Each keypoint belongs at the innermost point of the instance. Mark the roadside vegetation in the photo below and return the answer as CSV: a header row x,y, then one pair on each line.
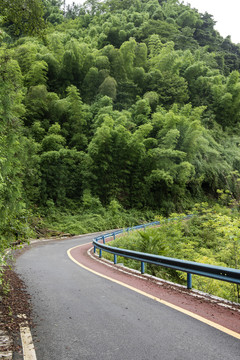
x,y
99,218
210,236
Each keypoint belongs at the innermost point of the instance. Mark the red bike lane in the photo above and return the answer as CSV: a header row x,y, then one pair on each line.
x,y
222,315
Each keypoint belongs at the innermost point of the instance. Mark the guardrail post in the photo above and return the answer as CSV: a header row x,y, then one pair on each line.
x,y
189,280
114,236
144,227
115,259
103,239
100,253
94,249
142,267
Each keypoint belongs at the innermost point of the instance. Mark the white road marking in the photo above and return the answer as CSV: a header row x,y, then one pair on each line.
x,y
27,341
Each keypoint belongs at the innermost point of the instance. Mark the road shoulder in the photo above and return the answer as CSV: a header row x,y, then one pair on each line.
x,y
215,311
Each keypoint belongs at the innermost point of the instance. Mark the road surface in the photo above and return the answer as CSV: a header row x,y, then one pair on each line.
x,y
82,316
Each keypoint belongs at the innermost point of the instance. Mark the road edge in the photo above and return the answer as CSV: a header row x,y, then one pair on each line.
x,y
166,303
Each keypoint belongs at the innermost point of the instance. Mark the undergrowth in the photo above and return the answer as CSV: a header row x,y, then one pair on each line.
x,y
211,236
88,218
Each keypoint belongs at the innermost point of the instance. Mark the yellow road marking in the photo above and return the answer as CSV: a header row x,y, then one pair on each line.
x,y
175,307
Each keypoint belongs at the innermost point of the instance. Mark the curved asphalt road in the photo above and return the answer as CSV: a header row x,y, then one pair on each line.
x,y
81,316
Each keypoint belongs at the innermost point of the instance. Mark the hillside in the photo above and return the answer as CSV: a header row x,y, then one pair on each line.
x,y
114,105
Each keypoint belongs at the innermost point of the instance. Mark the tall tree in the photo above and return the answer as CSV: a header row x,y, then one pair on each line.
x,y
11,144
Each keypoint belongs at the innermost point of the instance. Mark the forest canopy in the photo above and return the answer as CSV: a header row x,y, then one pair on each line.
x,y
134,103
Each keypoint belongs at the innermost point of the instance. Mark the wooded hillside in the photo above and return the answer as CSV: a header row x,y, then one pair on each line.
x,y
136,102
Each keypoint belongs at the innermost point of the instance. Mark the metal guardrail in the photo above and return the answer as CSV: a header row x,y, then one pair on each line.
x,y
190,267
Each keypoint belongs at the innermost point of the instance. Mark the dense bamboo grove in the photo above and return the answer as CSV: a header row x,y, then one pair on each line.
x,y
113,106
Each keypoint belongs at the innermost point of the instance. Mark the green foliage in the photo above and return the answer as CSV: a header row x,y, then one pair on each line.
x,y
23,17
108,87
53,12
12,166
226,100
211,236
90,216
37,74
60,173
